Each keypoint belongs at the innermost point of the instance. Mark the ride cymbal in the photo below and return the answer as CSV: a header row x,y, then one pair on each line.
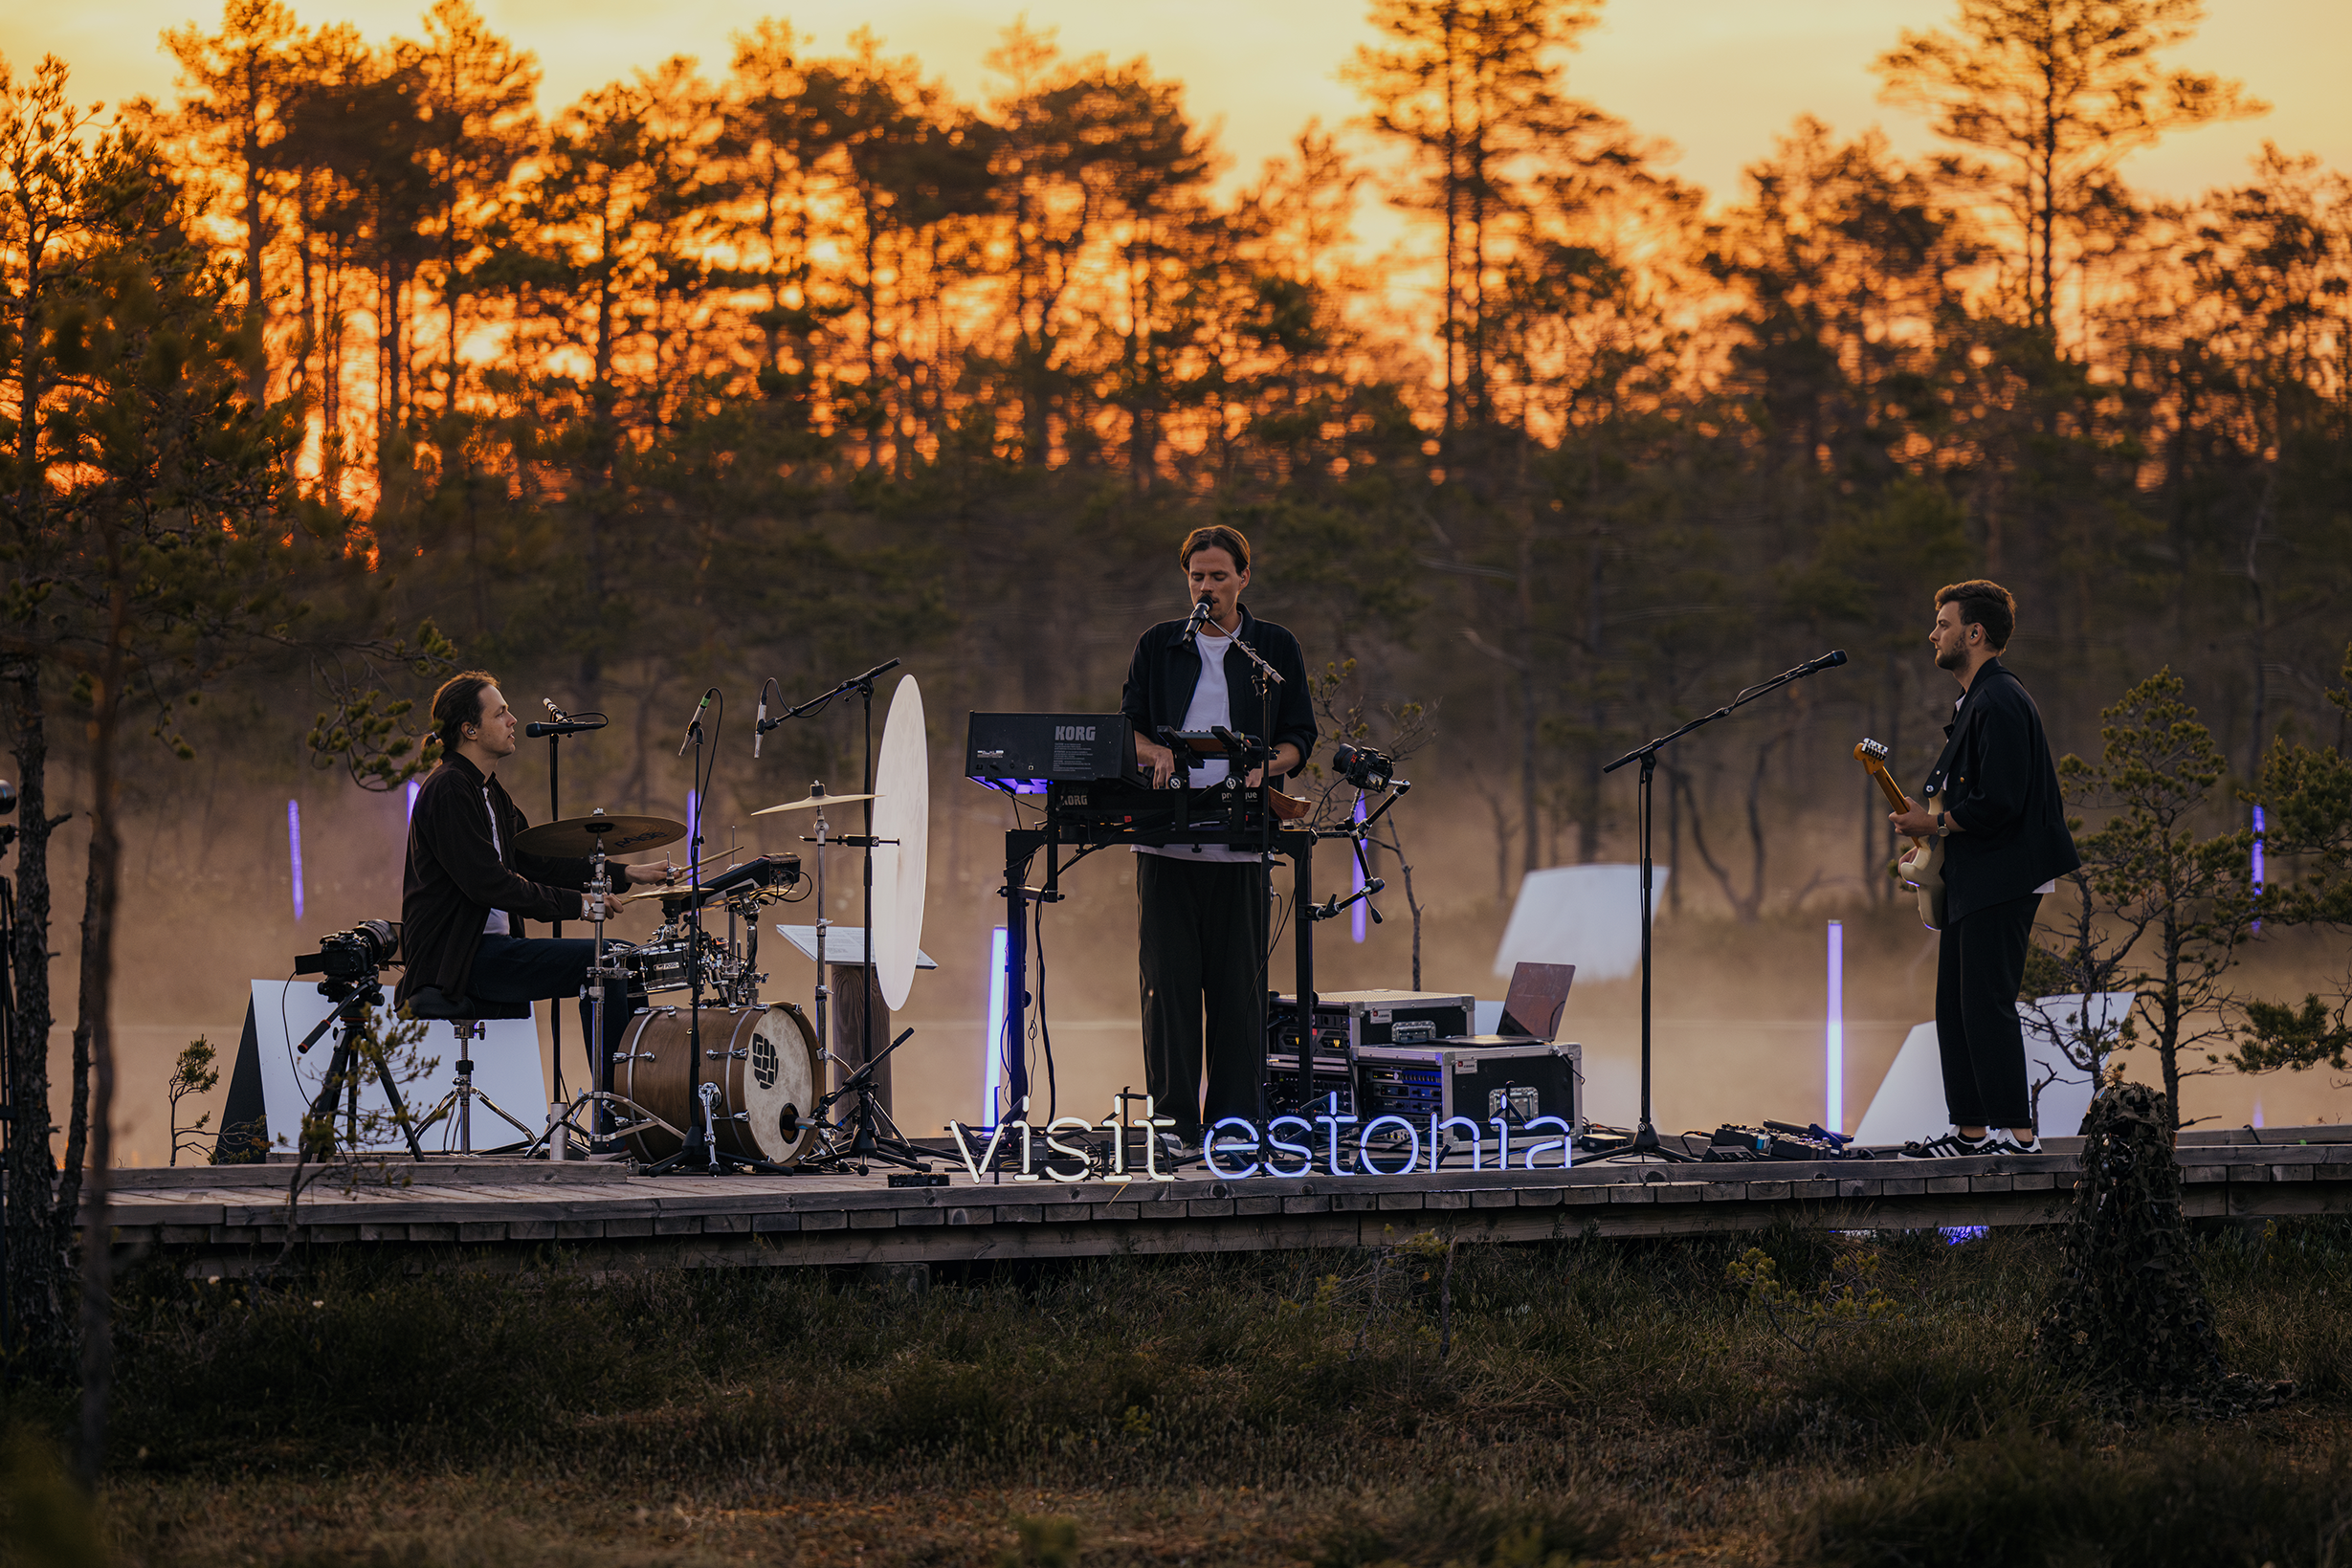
x,y
577,836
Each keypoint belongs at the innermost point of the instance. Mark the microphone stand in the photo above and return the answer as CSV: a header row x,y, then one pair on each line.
x,y
867,1143
1645,1144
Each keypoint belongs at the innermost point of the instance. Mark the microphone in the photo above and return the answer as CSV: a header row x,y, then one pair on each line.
x,y
1200,614
696,722
1831,660
564,722
758,725
878,670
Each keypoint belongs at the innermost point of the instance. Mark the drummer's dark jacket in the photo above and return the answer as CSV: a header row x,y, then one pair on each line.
x,y
1997,781
457,875
1167,667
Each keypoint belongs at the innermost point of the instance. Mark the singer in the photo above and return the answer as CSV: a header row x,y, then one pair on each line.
x,y
1994,798
466,889
1202,908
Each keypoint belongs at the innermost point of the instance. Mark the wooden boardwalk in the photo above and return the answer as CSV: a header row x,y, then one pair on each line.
x,y
490,1213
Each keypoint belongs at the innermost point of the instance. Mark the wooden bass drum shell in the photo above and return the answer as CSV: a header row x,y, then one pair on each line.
x,y
767,1068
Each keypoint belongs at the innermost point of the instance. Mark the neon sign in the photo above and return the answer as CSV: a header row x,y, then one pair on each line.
x,y
1235,1149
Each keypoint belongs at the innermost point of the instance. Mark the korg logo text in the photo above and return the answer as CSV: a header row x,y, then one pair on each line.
x,y
1074,732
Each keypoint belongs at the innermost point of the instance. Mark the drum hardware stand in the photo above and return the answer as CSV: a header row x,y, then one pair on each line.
x,y
355,1047
1644,1144
873,1135
700,1149
863,685
560,725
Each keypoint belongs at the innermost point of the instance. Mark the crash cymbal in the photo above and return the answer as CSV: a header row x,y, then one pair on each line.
x,y
813,801
577,836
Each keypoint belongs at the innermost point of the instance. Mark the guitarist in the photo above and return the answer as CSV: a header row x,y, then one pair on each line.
x,y
1993,799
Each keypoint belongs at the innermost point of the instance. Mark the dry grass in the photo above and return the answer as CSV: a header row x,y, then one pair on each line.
x,y
1600,1402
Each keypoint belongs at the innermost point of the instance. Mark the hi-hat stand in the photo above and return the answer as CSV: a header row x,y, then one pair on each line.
x,y
1644,1144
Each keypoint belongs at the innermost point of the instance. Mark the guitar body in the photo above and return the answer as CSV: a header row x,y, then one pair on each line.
x,y
1921,866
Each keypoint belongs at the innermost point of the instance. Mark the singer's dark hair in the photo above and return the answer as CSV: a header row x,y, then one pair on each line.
x,y
1984,604
1216,537
459,703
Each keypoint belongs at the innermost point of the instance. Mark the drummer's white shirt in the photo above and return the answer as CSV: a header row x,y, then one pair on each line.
x,y
1213,704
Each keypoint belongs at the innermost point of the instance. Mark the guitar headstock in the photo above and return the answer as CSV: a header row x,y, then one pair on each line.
x,y
1870,750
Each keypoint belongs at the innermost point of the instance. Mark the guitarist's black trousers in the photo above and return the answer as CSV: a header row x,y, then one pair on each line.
x,y
1979,963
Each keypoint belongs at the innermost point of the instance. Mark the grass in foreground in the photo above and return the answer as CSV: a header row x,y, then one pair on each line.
x,y
1594,1401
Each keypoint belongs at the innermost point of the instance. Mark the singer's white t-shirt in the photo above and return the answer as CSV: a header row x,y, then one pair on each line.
x,y
1211,705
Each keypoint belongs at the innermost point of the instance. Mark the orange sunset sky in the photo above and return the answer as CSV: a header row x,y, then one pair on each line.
x,y
1718,79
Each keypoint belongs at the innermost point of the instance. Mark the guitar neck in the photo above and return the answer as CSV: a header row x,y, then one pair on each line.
x,y
1894,791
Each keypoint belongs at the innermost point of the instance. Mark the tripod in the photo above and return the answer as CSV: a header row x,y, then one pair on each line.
x,y
354,1047
1644,1143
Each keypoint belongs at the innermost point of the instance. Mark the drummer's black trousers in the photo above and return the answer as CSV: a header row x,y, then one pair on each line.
x,y
513,969
1201,940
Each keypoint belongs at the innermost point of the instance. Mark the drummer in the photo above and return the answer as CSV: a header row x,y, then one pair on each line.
x,y
467,890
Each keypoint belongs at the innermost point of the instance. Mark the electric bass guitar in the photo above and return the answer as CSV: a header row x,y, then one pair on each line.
x,y
1921,866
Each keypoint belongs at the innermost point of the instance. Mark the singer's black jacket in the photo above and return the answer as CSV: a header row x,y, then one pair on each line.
x,y
455,877
1166,669
1996,779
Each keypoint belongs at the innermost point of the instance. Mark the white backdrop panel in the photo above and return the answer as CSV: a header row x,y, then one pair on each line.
x,y
505,1066
1588,915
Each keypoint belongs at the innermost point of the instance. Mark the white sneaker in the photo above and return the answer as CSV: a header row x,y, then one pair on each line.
x,y
2002,1140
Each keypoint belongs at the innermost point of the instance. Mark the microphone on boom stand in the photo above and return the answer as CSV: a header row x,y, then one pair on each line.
x,y
562,723
1200,614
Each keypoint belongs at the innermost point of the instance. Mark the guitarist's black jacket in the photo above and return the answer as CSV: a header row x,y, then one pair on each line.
x,y
1996,779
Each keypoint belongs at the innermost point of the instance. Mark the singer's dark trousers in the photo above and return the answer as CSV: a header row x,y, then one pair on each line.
x,y
1202,945
1979,963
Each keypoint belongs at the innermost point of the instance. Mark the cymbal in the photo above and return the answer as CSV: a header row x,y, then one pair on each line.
x,y
577,836
812,802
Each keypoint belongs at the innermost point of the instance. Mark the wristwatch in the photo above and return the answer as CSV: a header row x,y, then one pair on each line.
x,y
1942,830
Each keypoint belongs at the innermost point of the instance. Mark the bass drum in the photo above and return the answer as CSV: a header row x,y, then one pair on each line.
x,y
763,1061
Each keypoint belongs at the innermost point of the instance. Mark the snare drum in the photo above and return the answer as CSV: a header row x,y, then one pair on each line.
x,y
663,966
764,1060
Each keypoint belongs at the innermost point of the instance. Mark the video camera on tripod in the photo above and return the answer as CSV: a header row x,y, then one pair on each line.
x,y
352,956
353,962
